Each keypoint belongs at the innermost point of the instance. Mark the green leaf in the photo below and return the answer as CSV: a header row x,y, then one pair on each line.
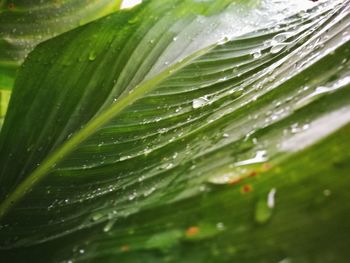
x,y
25,23
186,132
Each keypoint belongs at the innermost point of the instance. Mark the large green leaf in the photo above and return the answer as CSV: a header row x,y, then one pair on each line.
x,y
25,23
169,103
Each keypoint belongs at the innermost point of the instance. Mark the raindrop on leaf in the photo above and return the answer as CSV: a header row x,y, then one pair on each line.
x,y
92,56
257,54
277,48
200,102
109,225
264,207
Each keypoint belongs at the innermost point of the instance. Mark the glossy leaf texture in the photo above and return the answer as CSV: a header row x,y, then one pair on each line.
x,y
186,132
25,23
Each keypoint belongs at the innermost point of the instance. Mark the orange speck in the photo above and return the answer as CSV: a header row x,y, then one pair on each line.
x,y
11,6
246,188
124,248
253,173
191,231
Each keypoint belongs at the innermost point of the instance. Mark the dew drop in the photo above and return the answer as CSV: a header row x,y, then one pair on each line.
x,y
200,102
123,158
327,192
132,196
285,260
261,156
271,198
220,226
109,225
279,38
149,191
129,3
178,109
167,166
141,178
264,207
257,54
277,48
92,56
96,216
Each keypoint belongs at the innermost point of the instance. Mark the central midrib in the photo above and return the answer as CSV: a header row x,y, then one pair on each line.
x,y
56,156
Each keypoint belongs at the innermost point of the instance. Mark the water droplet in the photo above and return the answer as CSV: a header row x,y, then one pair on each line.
x,y
132,196
327,192
133,20
149,191
303,14
277,48
129,3
141,178
279,38
96,216
285,260
200,102
264,208
147,151
167,166
271,198
257,54
260,157
162,130
109,225
220,226
123,158
92,56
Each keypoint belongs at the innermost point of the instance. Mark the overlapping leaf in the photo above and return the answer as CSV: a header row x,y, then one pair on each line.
x,y
201,115
24,24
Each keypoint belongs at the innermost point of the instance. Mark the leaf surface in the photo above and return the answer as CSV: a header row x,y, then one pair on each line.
x,y
143,124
